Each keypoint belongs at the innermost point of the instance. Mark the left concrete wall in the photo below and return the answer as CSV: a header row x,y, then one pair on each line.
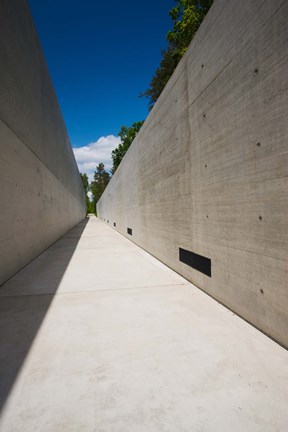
x,y
41,194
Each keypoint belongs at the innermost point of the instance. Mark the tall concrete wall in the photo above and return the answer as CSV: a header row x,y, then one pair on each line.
x,y
208,172
41,195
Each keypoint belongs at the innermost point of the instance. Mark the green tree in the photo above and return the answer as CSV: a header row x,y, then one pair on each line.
x,y
187,16
127,135
169,61
98,185
85,181
86,184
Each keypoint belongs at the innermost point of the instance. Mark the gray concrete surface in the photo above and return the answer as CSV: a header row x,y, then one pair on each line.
x,y
97,335
208,171
41,195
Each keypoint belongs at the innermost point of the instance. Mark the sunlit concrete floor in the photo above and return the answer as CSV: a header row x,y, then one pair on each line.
x,y
97,335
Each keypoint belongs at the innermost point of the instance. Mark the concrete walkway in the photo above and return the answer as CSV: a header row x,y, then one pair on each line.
x,y
98,336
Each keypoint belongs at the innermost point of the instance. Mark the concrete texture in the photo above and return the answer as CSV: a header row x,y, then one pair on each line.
x,y
97,335
41,195
208,172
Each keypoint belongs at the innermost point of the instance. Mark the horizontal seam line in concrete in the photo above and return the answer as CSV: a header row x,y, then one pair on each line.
x,y
37,157
272,179
220,244
100,290
251,252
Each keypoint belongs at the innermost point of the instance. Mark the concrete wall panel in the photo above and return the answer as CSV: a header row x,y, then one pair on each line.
x,y
41,194
208,171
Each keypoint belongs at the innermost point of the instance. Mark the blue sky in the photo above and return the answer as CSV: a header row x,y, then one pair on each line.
x,y
101,55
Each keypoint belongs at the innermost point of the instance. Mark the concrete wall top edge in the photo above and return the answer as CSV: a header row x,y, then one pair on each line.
x,y
28,102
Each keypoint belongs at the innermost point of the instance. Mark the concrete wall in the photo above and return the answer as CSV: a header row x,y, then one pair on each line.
x,y
208,172
41,195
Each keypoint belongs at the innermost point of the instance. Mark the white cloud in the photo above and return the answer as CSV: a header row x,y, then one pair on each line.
x,y
87,157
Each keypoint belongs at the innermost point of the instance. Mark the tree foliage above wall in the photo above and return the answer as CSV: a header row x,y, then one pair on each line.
x,y
127,135
187,16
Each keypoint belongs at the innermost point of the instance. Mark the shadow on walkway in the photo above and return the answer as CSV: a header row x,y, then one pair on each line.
x,y
24,302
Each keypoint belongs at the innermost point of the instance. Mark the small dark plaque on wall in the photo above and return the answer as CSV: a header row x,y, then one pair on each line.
x,y
198,262
129,231
114,224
